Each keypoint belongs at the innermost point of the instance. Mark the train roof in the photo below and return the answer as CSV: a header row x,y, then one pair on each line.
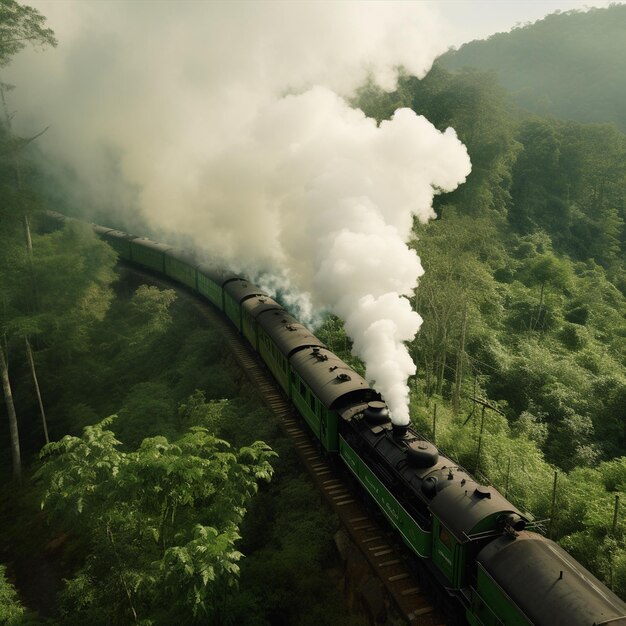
x,y
240,289
148,243
466,507
119,234
287,332
218,275
328,376
100,230
548,585
259,304
184,256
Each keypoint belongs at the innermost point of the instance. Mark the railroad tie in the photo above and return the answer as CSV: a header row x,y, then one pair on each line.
x,y
393,579
383,552
335,489
411,592
423,611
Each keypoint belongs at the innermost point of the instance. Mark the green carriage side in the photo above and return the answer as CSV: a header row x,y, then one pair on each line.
x,y
527,579
236,291
181,266
466,517
251,309
210,281
322,383
280,335
148,254
119,241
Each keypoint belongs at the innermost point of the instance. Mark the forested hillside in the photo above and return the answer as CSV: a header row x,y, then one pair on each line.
x,y
524,307
524,303
570,65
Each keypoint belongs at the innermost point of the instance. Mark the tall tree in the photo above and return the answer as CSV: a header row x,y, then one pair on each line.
x,y
21,25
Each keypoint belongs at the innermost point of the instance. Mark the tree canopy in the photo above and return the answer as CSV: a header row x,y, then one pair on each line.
x,y
21,25
569,65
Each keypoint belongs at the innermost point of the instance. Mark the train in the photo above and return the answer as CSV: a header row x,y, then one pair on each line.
x,y
475,543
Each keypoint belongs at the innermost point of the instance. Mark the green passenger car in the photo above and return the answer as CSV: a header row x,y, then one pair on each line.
x,y
149,254
280,337
236,291
309,407
274,359
181,267
120,242
322,384
210,283
251,309
491,606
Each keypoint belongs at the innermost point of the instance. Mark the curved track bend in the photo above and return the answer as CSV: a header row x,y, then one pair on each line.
x,y
387,557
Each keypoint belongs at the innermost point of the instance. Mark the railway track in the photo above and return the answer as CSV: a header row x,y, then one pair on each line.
x,y
388,559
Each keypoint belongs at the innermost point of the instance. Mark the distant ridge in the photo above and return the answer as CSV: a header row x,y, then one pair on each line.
x,y
570,65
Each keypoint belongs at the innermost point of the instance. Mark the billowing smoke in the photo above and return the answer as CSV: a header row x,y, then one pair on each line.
x,y
226,120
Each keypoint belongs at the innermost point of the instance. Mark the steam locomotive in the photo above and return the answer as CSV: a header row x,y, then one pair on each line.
x,y
468,535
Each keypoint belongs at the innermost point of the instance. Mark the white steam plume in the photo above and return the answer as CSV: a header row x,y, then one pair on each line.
x,y
225,118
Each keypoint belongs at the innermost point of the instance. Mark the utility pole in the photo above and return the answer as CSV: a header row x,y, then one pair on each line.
x,y
485,405
456,398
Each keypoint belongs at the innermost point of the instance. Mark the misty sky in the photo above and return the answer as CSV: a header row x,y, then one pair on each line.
x,y
477,19
466,19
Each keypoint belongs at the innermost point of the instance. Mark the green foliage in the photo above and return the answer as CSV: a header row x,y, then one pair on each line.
x,y
19,25
523,296
42,300
569,180
11,610
568,65
162,521
150,308
147,412
198,412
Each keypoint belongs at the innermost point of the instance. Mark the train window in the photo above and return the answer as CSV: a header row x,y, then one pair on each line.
x,y
312,402
302,390
446,537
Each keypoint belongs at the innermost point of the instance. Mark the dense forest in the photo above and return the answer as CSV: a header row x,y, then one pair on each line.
x,y
569,65
524,307
524,295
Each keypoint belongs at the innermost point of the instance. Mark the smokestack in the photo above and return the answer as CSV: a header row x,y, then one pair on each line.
x,y
400,431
